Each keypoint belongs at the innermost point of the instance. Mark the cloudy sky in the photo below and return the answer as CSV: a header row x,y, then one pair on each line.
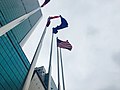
x,y
94,32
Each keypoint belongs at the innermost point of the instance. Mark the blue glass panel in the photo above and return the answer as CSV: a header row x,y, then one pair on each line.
x,y
30,5
35,17
12,54
15,61
5,79
12,79
2,22
12,65
4,83
15,10
19,50
21,30
1,87
1,58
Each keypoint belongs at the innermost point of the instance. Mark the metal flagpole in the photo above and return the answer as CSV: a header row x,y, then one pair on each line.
x,y
58,67
50,67
62,69
34,60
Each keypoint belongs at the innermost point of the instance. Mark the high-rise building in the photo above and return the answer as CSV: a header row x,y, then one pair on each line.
x,y
40,80
41,71
37,83
18,19
52,85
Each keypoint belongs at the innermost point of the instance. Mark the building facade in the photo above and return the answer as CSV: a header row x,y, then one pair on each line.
x,y
18,23
37,83
40,80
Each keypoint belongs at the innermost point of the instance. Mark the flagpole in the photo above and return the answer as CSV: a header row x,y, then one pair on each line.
x,y
34,60
50,67
58,67
62,69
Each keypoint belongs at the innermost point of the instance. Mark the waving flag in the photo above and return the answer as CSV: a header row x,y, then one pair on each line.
x,y
46,1
63,24
64,44
51,17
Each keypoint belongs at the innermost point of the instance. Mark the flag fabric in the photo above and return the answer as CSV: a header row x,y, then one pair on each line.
x,y
64,44
48,22
45,2
63,24
51,17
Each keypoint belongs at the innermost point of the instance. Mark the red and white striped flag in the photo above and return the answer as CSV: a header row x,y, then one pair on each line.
x,y
64,44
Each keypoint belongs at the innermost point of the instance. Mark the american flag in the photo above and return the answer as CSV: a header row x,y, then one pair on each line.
x,y
64,44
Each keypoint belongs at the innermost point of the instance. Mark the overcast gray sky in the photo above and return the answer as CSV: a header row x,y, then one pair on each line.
x,y
94,32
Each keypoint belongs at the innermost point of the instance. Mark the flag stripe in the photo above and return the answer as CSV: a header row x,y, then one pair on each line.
x,y
53,17
64,44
